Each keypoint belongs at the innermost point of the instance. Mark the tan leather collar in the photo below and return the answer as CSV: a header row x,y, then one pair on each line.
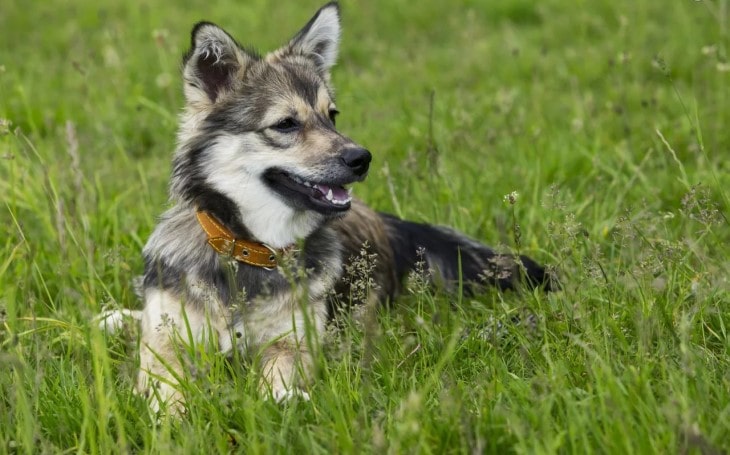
x,y
223,241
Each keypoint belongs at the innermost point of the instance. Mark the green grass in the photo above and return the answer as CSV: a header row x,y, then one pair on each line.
x,y
609,118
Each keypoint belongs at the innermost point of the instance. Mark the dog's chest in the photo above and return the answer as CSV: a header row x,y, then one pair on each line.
x,y
266,304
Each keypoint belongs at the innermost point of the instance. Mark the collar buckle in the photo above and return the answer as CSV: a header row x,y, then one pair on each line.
x,y
272,257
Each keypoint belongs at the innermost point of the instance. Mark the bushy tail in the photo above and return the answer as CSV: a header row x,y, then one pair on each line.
x,y
442,248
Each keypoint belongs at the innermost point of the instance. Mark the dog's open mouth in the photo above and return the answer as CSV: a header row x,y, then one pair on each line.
x,y
322,197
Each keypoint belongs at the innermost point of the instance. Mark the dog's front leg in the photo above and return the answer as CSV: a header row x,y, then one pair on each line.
x,y
168,325
286,361
286,365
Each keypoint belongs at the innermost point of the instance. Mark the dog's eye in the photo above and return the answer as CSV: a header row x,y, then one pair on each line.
x,y
333,115
287,125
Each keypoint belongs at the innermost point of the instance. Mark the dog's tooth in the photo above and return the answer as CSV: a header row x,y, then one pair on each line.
x,y
329,195
342,201
349,193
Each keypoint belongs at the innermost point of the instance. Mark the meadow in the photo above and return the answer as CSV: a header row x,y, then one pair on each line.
x,y
607,120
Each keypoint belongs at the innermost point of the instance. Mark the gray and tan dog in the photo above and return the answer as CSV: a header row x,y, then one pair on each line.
x,y
260,187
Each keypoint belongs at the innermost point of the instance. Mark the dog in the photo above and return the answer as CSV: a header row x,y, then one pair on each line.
x,y
253,251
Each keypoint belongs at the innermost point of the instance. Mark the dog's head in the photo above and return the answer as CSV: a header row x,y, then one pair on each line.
x,y
258,135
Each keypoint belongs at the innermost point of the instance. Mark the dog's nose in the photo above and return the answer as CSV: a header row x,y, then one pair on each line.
x,y
357,159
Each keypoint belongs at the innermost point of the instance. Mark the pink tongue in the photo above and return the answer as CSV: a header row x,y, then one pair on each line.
x,y
338,192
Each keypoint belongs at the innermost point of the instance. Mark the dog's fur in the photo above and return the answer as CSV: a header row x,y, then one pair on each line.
x,y
254,128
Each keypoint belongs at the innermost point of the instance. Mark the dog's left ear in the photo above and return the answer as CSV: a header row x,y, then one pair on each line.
x,y
319,40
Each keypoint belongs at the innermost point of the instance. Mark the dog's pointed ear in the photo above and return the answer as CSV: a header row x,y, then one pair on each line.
x,y
319,40
213,65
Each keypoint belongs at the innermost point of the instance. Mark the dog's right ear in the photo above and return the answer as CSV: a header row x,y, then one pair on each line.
x,y
214,64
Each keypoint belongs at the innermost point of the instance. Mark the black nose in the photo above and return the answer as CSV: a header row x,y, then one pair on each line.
x,y
357,159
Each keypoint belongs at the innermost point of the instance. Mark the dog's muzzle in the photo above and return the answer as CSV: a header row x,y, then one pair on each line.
x,y
358,160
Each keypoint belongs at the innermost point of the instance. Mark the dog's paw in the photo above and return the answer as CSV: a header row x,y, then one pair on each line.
x,y
163,399
173,406
113,320
285,395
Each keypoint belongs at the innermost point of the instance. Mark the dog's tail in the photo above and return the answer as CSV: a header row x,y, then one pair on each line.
x,y
451,255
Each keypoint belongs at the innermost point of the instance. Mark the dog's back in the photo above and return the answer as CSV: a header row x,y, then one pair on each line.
x,y
394,247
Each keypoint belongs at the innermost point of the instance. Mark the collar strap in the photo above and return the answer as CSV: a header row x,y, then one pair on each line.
x,y
223,241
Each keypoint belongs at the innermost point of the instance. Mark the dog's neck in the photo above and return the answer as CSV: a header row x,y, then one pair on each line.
x,y
282,228
279,229
226,213
224,242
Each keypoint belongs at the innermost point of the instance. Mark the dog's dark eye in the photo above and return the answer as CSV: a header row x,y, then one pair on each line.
x,y
333,115
287,125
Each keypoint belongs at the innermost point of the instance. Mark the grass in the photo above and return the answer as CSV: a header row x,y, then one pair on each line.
x,y
608,118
